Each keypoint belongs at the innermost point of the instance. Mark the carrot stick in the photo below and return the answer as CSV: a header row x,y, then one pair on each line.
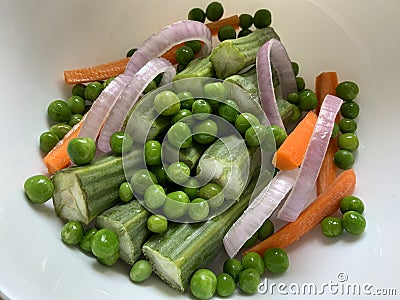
x,y
291,153
114,68
58,157
325,83
324,205
232,21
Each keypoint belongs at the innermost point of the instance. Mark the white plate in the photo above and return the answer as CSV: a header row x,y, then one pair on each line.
x,y
39,39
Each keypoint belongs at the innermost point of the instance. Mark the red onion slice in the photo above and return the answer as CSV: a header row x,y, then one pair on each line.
x,y
166,38
97,114
312,161
130,95
258,211
273,52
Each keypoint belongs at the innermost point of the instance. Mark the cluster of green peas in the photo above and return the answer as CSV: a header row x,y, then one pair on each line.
x,y
244,274
352,220
104,245
65,114
345,131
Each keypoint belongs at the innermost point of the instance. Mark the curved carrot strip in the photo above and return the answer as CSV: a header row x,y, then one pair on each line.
x,y
324,205
232,21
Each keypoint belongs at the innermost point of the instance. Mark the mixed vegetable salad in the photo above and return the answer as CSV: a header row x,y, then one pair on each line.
x,y
182,147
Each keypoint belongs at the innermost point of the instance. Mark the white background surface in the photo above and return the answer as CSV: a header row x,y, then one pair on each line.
x,y
39,39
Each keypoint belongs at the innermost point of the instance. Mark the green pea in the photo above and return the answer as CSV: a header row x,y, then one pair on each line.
x,y
226,32
226,285
266,230
197,14
233,267
296,68
75,119
187,99
93,90
229,110
160,173
348,141
245,121
244,32
351,203
191,188
307,100
47,141
105,243
255,261
280,134
195,45
81,150
181,115
72,233
249,279
150,87
213,193
60,129
79,90
198,209
178,172
331,227
108,81
350,110
262,18
140,271
109,261
130,52
256,135
214,11
184,55
59,111
125,192
179,135
301,84
353,222
203,284
158,79
215,92
154,196
245,21
347,90
335,131
293,98
167,103
141,180
276,260
201,108
121,142
152,152
86,241
157,223
38,188
347,125
343,159
176,205
205,131
251,241
76,104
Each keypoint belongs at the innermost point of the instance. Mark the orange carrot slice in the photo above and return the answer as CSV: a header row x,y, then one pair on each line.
x,y
291,153
114,68
324,205
232,21
58,157
325,83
